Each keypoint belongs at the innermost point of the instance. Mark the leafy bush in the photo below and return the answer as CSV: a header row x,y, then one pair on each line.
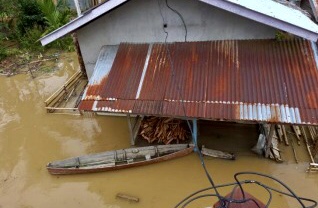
x,y
26,21
3,52
55,15
30,16
7,9
7,12
30,39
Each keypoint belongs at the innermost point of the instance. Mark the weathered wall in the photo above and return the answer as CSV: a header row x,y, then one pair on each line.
x,y
141,21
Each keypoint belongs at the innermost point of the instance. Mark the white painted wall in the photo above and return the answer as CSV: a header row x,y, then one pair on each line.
x,y
140,21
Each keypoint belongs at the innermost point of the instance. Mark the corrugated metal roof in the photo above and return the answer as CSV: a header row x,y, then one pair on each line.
x,y
238,80
269,12
102,69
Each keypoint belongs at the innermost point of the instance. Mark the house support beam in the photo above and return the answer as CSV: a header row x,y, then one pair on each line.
x,y
307,144
132,139
134,126
79,55
269,140
195,134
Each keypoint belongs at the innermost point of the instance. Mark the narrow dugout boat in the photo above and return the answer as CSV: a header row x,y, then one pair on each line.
x,y
119,159
236,194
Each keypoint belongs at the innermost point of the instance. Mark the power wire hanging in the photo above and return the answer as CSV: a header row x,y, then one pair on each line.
x,y
180,94
225,202
187,200
180,16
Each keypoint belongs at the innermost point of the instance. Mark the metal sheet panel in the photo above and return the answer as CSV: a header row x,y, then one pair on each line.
x,y
102,68
235,80
124,78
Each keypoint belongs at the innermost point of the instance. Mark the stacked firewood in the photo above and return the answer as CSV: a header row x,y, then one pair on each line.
x,y
163,130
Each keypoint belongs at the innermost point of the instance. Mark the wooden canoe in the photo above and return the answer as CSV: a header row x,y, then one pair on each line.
x,y
118,159
237,195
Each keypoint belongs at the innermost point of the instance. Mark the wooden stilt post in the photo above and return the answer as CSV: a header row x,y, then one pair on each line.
x,y
280,133
195,133
307,144
132,139
285,135
316,151
79,55
269,140
296,130
311,133
136,126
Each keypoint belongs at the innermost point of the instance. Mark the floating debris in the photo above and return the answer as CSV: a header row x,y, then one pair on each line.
x,y
127,197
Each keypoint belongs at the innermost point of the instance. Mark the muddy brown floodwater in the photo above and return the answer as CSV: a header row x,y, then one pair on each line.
x,y
30,138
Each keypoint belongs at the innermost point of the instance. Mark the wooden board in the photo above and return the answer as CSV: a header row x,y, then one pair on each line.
x,y
217,154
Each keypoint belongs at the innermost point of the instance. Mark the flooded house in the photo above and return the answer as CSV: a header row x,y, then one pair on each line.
x,y
232,64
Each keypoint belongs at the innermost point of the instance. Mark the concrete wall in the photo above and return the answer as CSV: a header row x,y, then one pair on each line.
x,y
141,21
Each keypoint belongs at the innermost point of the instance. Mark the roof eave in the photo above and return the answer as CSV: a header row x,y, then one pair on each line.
x,y
80,21
262,18
225,5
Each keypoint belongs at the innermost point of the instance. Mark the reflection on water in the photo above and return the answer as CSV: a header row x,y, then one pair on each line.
x,y
30,138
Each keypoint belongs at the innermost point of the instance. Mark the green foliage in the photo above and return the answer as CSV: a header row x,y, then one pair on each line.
x,y
65,43
7,51
55,15
26,21
7,11
3,52
30,16
30,39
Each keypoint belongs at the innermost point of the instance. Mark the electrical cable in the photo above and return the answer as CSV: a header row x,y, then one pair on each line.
x,y
314,203
181,17
223,201
195,198
180,94
270,177
202,190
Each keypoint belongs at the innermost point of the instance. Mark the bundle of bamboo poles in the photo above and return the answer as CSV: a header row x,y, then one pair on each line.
x,y
307,135
163,130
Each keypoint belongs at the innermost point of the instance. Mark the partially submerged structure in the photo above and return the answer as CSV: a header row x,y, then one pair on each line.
x,y
221,60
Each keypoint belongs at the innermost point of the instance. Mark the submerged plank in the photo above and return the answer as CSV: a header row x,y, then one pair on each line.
x,y
127,197
217,154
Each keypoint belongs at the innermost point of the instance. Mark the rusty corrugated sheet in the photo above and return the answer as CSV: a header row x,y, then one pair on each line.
x,y
234,80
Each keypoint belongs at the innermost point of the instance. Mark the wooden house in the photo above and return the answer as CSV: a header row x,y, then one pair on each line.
x,y
222,60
